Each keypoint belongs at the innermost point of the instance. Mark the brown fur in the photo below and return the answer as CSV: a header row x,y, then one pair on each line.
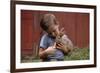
x,y
62,38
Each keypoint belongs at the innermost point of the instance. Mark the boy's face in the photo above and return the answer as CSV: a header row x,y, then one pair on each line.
x,y
53,30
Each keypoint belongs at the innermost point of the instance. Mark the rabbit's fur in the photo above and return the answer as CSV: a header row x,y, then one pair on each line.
x,y
65,41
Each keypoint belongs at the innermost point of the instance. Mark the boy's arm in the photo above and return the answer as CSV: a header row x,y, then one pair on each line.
x,y
44,53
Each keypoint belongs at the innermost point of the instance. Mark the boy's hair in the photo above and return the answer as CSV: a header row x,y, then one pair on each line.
x,y
47,20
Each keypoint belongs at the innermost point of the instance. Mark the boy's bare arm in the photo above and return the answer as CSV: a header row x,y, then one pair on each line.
x,y
42,53
49,51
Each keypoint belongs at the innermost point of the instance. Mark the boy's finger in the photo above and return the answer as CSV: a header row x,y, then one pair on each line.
x,y
60,44
58,47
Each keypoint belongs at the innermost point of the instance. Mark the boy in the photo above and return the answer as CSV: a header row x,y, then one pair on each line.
x,y
51,47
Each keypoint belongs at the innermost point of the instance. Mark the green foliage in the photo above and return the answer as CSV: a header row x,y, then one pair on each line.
x,y
78,54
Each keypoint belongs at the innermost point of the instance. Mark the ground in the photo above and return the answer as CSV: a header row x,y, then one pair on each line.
x,y
77,54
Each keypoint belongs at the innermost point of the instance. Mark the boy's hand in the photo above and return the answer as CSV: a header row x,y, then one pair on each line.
x,y
60,46
50,50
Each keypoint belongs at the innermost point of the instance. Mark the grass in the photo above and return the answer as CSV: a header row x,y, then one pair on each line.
x,y
28,59
77,54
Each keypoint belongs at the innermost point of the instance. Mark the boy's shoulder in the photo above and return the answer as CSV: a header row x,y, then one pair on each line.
x,y
45,36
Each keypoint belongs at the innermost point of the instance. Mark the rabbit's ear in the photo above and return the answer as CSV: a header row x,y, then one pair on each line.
x,y
62,29
62,32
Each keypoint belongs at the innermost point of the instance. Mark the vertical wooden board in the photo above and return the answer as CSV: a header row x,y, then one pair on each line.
x,y
86,30
79,27
35,23
82,30
26,32
70,26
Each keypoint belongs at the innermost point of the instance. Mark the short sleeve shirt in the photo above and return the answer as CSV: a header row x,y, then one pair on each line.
x,y
47,41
